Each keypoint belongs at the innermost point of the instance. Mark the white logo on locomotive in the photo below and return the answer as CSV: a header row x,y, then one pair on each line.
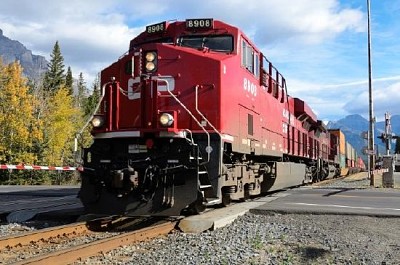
x,y
133,94
249,86
164,83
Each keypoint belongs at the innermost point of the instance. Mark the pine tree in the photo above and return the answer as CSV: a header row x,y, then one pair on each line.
x,y
93,99
82,91
89,104
69,81
54,78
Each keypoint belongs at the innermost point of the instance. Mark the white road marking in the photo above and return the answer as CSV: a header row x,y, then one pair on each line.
x,y
343,206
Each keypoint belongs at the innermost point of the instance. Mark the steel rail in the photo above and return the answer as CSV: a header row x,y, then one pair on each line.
x,y
81,252
42,234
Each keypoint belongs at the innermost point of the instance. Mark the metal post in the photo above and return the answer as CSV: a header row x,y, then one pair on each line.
x,y
371,145
388,133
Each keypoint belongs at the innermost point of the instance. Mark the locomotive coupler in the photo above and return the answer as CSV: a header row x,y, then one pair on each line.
x,y
124,180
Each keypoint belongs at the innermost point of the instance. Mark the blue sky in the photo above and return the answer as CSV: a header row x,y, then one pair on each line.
x,y
320,46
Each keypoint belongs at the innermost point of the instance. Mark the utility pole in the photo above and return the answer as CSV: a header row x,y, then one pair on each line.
x,y
371,146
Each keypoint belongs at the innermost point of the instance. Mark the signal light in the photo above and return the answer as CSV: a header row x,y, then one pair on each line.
x,y
150,56
151,61
150,66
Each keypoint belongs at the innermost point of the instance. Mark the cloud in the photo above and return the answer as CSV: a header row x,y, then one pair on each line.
x,y
305,21
385,99
316,45
89,34
334,101
89,31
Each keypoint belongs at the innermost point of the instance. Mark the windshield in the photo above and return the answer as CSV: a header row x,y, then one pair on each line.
x,y
160,40
213,42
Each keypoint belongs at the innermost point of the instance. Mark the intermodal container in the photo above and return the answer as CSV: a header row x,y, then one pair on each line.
x,y
342,161
360,163
342,140
350,153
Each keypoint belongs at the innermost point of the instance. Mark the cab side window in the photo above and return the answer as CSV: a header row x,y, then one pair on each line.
x,y
250,58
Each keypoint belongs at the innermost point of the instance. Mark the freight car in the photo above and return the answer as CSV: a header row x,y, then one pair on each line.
x,y
348,159
193,115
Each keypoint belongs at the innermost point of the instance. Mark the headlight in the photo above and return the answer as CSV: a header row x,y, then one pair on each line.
x,y
150,66
97,121
151,61
150,56
166,119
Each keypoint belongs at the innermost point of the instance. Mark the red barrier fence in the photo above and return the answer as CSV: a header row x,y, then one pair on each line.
x,y
379,171
33,167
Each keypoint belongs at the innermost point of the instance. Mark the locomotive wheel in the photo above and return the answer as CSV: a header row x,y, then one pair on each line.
x,y
226,199
246,193
198,206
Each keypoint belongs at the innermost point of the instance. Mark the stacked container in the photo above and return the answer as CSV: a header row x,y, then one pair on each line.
x,y
342,147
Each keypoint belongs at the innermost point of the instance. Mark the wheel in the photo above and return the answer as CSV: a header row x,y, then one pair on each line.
x,y
226,199
198,206
246,193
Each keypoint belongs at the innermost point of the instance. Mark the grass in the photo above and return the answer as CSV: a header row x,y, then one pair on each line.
x,y
257,243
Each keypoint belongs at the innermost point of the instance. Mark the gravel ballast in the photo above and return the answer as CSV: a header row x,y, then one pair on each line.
x,y
268,239
275,239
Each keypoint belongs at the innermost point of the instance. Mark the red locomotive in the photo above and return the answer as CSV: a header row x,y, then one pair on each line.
x,y
194,115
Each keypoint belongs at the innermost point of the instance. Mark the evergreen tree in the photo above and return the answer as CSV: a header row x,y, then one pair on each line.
x,y
54,78
69,81
82,91
93,99
89,104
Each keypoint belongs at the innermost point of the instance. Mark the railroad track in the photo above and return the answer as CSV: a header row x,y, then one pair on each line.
x,y
44,246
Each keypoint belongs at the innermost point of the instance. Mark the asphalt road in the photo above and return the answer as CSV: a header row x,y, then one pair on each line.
x,y
21,203
39,190
368,202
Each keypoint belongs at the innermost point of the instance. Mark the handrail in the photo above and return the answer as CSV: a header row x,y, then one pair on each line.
x,y
279,78
79,134
191,114
96,108
281,84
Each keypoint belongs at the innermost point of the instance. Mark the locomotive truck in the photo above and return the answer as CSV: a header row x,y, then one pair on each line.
x,y
193,115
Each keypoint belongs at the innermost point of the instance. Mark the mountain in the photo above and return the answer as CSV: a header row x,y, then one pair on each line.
x,y
11,50
353,126
395,121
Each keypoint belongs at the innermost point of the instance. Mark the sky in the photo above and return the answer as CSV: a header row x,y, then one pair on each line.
x,y
320,46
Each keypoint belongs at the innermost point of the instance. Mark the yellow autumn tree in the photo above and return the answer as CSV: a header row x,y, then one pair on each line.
x,y
18,127
61,122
